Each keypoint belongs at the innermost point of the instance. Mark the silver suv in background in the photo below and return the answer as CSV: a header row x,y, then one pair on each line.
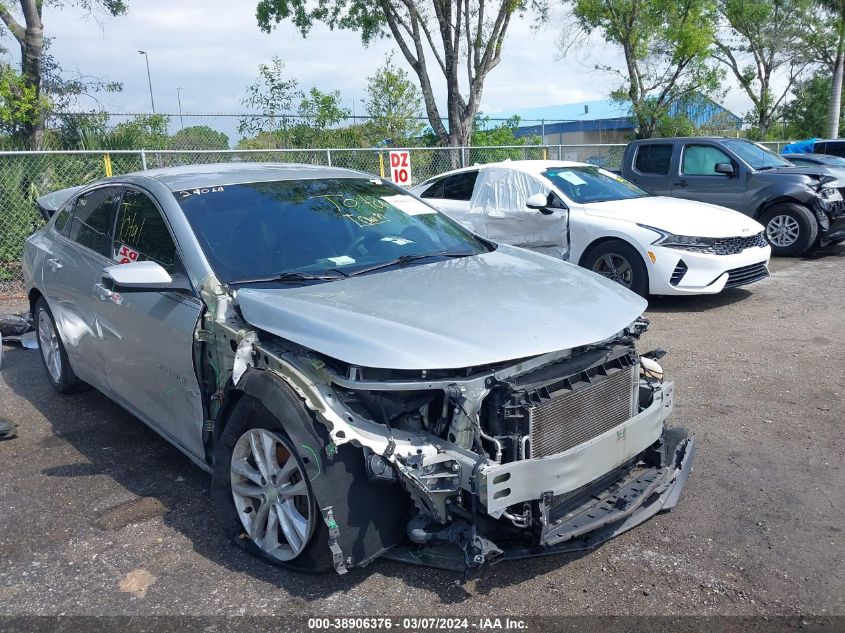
x,y
360,375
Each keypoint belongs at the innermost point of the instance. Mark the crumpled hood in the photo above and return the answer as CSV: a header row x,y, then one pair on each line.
x,y
495,307
678,216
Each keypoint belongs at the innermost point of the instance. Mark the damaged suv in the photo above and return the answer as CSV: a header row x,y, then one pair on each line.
x,y
361,375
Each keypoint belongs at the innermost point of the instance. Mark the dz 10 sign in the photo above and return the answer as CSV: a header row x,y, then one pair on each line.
x,y
400,167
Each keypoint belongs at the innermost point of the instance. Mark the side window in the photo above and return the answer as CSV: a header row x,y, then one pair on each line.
x,y
435,190
141,233
459,186
90,224
653,158
61,218
701,160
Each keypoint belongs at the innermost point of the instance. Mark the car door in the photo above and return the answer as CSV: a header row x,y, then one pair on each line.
x,y
148,345
651,167
500,197
451,195
80,249
697,178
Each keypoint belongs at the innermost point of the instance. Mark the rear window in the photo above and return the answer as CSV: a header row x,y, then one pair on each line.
x,y
653,158
90,225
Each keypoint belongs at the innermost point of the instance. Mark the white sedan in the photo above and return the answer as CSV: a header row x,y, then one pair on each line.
x,y
590,216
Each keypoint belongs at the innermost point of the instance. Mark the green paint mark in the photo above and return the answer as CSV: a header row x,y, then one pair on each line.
x,y
316,461
332,524
331,449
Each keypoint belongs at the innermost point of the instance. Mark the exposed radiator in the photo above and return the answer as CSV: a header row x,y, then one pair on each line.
x,y
590,408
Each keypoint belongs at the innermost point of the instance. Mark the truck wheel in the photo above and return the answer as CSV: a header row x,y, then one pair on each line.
x,y
262,495
53,354
619,261
791,229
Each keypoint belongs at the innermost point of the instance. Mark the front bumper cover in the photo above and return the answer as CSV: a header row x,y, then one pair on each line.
x,y
633,498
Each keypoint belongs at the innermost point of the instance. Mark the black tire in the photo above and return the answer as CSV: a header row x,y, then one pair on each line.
x,y
60,375
782,221
315,557
634,275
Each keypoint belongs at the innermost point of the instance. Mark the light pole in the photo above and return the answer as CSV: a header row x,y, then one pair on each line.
x,y
149,81
179,99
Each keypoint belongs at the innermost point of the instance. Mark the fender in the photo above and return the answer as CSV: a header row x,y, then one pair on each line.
x,y
370,516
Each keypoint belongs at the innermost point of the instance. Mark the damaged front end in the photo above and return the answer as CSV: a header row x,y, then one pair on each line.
x,y
458,468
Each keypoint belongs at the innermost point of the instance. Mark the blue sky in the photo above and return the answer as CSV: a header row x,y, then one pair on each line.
x,y
211,49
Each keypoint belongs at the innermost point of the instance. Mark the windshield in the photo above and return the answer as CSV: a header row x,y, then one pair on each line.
x,y
755,156
318,229
586,183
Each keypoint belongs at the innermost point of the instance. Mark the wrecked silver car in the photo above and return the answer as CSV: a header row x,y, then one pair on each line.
x,y
361,375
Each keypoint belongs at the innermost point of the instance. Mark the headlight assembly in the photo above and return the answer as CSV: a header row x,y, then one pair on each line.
x,y
685,242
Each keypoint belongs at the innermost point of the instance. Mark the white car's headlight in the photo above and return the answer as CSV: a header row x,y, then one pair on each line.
x,y
688,242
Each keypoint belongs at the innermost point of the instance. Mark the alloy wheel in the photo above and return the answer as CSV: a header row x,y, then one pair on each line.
x,y
271,494
615,267
782,230
49,343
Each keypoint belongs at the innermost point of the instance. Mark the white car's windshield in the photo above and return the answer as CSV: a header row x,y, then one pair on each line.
x,y
756,157
585,183
317,230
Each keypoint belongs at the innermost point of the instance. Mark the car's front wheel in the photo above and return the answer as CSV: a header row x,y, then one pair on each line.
x,y
53,354
791,229
263,497
620,262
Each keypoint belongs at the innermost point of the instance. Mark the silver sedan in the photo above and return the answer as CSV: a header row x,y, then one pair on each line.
x,y
361,375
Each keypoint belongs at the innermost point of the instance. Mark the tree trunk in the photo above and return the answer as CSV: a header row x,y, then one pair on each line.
x,y
30,37
835,108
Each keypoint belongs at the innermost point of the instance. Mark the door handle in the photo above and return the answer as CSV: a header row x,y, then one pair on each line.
x,y
54,264
102,292
680,183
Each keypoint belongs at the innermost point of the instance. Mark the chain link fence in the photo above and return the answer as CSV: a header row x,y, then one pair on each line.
x,y
24,176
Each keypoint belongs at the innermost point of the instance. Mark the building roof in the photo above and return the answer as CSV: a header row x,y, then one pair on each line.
x,y
604,115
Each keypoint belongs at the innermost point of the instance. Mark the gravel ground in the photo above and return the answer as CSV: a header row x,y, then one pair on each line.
x,y
100,516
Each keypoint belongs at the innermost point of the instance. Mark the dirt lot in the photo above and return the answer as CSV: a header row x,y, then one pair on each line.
x,y
100,516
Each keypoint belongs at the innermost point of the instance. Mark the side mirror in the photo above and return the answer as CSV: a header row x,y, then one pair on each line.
x,y
724,168
537,201
138,277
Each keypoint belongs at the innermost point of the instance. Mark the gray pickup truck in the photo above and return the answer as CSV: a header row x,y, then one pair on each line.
x,y
801,207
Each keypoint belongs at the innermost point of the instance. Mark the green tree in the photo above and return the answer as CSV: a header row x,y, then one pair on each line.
x,y
23,20
394,104
320,113
92,131
806,115
761,41
198,137
825,40
665,46
462,40
20,106
272,96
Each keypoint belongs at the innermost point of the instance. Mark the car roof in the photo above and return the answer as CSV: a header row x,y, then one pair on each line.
x,y
217,174
673,139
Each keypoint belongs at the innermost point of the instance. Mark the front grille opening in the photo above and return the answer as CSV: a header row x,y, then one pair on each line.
x,y
678,273
590,409
746,275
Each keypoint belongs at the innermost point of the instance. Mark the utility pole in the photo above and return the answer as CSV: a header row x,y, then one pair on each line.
x,y
149,81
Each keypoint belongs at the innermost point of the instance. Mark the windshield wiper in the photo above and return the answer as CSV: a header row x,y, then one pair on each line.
x,y
292,277
403,260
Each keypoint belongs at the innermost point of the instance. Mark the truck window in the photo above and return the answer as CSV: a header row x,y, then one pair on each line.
x,y
653,158
701,160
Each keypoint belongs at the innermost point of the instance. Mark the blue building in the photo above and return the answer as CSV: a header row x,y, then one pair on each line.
x,y
606,121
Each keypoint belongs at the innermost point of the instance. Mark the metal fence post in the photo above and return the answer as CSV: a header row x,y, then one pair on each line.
x,y
143,160
329,157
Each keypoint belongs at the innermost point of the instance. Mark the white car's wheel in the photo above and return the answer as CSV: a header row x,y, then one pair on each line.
x,y
619,262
